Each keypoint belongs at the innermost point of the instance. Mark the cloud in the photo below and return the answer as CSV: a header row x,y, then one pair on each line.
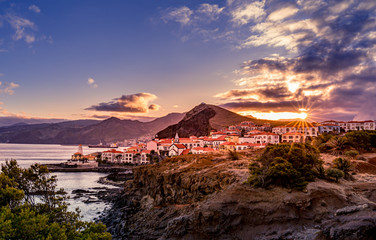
x,y
92,83
181,15
154,107
283,13
8,88
24,28
246,12
331,63
134,103
34,8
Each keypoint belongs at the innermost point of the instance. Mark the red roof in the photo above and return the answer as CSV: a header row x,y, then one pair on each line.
x,y
267,133
180,146
221,138
112,151
77,153
146,151
185,152
228,143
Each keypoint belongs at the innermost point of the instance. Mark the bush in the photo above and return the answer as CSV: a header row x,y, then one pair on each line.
x,y
351,154
342,164
234,155
360,140
334,173
285,165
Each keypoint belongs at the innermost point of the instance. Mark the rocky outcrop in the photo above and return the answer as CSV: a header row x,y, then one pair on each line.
x,y
206,198
201,120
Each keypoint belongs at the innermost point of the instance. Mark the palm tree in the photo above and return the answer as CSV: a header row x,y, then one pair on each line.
x,y
337,145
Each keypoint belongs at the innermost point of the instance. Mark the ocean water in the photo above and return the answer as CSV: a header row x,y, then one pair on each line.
x,y
28,154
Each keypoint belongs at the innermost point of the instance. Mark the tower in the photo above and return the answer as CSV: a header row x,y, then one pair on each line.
x,y
80,149
176,137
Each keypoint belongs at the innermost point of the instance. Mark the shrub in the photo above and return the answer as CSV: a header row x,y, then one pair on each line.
x,y
285,165
351,154
334,173
342,164
360,140
234,155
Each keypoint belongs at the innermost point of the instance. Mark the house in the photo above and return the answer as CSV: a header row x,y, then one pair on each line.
x,y
152,145
241,146
327,128
202,150
266,137
217,134
127,157
359,125
228,146
176,149
293,137
112,155
144,157
232,138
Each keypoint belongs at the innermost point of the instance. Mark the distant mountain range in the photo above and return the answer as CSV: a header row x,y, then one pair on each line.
x,y
85,131
199,121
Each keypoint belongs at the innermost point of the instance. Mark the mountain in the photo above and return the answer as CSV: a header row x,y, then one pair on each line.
x,y
201,120
86,131
11,121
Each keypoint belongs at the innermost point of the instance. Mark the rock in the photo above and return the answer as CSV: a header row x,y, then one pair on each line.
x,y
80,191
196,198
350,209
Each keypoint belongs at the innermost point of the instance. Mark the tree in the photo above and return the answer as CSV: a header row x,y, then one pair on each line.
x,y
337,145
21,217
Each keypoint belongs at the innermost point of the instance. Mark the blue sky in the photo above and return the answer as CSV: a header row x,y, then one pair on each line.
x,y
146,58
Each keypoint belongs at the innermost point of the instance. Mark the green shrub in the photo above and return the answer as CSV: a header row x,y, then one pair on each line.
x,y
285,165
334,173
351,154
342,164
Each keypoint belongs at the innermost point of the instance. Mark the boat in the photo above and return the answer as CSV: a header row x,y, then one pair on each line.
x,y
100,145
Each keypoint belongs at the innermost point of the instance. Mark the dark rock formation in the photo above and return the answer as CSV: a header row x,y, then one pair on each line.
x,y
201,120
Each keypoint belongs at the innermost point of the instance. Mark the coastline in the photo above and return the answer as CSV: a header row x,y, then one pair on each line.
x,y
101,169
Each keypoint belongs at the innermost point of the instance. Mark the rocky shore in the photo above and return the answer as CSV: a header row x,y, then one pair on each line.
x,y
206,197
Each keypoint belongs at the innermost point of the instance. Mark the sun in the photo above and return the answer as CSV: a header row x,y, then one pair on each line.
x,y
301,113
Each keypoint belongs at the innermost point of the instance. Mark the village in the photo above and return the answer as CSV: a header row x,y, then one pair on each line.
x,y
240,137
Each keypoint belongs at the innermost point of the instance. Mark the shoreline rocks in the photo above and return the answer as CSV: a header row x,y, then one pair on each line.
x,y
206,198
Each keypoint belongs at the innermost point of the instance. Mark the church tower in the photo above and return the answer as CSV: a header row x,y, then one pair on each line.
x,y
176,138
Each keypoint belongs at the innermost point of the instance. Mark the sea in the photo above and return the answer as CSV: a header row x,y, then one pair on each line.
x,y
28,154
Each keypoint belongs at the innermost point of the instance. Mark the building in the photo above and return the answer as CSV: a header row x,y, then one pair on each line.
x,y
293,137
176,149
112,155
329,128
266,137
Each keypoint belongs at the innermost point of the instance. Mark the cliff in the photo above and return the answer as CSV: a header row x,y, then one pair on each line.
x,y
205,197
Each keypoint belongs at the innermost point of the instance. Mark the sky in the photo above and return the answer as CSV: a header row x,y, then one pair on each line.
x,y
147,58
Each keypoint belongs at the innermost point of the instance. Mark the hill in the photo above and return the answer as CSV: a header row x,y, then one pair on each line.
x,y
201,120
85,131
